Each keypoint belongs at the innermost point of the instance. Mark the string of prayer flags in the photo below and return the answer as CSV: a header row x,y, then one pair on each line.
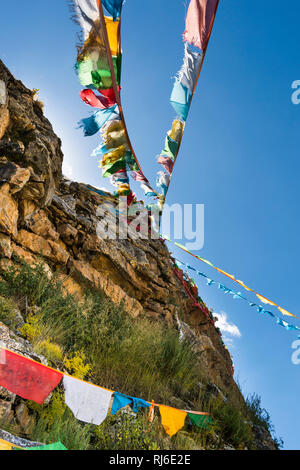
x,y
95,74
238,295
28,379
167,158
199,21
87,402
230,276
98,67
172,420
121,400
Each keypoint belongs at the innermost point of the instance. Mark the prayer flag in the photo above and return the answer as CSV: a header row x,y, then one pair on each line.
x,y
199,20
28,379
172,419
121,400
202,421
88,403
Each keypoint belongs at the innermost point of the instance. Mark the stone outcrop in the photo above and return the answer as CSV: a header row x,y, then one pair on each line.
x,y
30,152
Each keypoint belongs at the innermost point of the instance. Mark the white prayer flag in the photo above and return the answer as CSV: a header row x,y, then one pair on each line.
x,y
88,403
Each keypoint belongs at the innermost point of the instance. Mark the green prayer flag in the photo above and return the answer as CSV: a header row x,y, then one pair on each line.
x,y
97,73
171,147
202,421
112,168
55,446
131,163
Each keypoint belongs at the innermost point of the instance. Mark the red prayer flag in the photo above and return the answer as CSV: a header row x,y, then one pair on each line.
x,y
109,93
89,97
103,101
28,379
199,20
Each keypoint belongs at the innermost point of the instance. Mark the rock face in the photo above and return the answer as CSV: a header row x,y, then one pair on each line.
x,y
45,215
30,152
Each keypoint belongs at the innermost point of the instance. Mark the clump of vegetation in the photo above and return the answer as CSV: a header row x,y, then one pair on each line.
x,y
53,352
127,431
232,425
96,340
76,365
257,414
32,330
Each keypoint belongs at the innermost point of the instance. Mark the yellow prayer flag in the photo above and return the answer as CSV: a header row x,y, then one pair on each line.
x,y
172,420
113,28
5,445
285,312
264,300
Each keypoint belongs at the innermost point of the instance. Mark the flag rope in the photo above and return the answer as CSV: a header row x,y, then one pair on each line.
x,y
259,296
89,383
114,81
193,94
237,295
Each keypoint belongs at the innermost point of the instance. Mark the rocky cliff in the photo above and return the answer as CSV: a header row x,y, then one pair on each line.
x,y
46,217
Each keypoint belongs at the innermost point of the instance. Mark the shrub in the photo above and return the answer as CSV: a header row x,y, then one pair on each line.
x,y
232,425
257,414
52,351
31,330
126,431
76,365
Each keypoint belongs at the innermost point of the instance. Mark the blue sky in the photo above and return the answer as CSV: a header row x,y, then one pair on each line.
x,y
239,156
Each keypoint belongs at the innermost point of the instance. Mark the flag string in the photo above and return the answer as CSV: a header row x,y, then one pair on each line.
x,y
238,295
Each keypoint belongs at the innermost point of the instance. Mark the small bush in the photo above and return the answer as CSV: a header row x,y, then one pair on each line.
x,y
232,425
76,365
126,431
257,414
31,330
52,351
